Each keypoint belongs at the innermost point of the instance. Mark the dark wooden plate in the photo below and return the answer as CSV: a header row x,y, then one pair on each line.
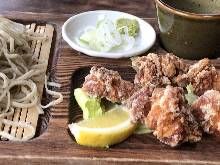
x,y
135,142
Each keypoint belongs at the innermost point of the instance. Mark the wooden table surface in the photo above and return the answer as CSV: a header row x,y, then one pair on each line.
x,y
55,145
141,8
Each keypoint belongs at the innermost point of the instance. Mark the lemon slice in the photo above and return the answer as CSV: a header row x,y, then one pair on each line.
x,y
112,127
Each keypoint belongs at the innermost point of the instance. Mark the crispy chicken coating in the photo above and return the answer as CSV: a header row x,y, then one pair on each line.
x,y
108,84
206,109
139,104
216,82
201,75
170,119
159,70
172,65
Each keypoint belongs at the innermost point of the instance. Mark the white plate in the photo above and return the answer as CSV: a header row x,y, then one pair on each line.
x,y
74,26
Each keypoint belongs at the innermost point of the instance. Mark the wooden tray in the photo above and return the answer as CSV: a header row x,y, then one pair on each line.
x,y
56,146
40,49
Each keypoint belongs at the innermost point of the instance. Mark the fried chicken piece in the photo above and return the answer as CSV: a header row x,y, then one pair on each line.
x,y
206,110
158,70
216,82
149,71
172,122
139,104
201,75
172,65
152,71
108,84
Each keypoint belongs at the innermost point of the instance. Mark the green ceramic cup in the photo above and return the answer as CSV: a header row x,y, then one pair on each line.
x,y
190,28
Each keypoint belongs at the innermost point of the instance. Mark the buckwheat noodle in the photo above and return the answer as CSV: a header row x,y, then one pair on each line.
x,y
20,71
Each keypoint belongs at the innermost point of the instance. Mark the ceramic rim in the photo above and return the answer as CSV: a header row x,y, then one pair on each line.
x,y
187,14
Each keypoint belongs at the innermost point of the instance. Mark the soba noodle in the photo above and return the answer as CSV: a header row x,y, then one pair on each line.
x,y
20,71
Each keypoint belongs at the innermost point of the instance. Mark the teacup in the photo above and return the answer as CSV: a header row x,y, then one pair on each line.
x,y
190,28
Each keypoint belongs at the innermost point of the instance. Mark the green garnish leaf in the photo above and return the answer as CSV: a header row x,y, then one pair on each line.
x,y
190,96
91,106
142,129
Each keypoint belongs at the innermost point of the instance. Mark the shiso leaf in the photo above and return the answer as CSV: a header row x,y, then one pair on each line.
x,y
190,96
142,129
91,106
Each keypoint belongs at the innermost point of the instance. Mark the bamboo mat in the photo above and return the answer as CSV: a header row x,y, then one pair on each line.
x,y
40,49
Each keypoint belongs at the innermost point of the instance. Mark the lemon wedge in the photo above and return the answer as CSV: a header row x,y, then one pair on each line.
x,y
112,127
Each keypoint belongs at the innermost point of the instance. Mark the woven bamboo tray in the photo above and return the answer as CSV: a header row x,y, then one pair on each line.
x,y
40,49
